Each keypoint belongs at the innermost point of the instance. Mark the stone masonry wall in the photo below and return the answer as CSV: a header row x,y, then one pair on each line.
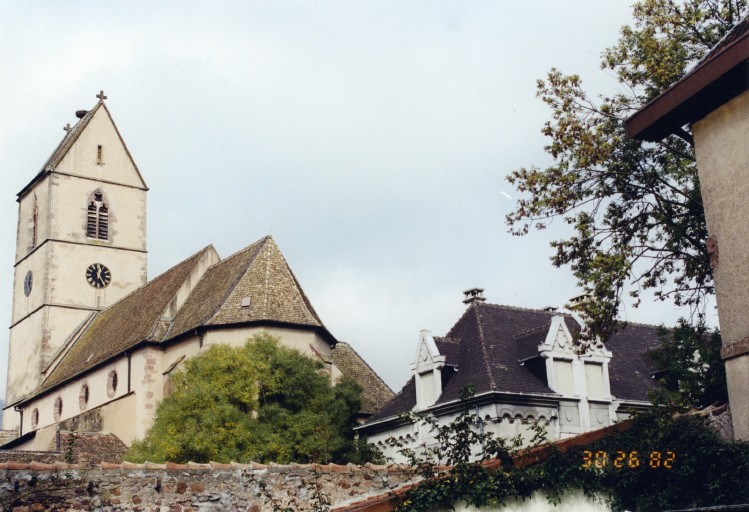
x,y
190,487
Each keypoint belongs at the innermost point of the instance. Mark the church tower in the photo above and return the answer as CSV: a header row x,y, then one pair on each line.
x,y
80,245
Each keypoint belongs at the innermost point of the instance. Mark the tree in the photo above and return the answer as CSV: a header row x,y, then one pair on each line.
x,y
261,402
691,371
635,208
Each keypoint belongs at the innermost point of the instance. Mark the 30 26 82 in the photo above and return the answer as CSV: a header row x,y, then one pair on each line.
x,y
628,459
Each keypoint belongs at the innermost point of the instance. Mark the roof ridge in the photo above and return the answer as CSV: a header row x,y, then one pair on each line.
x,y
484,353
158,277
229,289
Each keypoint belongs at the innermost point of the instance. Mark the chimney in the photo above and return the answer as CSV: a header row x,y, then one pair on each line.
x,y
576,303
473,295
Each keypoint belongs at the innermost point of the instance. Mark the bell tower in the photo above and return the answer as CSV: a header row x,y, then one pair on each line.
x,y
80,245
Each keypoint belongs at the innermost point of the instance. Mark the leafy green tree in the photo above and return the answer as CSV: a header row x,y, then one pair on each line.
x,y
261,402
635,208
691,371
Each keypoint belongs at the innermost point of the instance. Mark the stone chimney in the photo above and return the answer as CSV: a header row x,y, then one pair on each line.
x,y
473,295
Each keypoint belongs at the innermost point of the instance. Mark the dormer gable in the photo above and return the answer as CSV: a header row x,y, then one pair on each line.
x,y
427,369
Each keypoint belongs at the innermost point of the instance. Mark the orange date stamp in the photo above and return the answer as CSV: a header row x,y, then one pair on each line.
x,y
632,459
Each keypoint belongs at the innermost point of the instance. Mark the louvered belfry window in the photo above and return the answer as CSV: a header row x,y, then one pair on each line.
x,y
97,220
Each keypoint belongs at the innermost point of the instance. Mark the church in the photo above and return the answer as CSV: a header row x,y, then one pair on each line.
x,y
93,343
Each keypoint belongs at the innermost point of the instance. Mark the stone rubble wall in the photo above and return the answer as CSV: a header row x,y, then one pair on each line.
x,y
190,487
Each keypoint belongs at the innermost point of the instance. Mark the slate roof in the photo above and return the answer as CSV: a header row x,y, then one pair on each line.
x,y
631,369
258,272
375,393
489,341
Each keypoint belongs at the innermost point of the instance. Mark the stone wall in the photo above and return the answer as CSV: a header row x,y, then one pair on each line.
x,y
190,487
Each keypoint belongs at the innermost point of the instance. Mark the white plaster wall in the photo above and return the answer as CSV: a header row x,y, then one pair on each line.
x,y
722,149
69,286
97,382
35,262
81,160
127,211
25,218
503,421
572,502
302,341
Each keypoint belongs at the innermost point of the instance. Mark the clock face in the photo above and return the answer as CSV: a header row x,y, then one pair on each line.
x,y
27,283
98,275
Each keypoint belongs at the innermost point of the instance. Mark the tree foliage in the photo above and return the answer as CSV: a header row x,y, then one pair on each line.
x,y
260,402
691,372
657,463
635,208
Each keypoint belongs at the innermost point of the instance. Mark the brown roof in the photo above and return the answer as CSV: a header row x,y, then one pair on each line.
x,y
375,393
258,273
720,76
135,318
489,342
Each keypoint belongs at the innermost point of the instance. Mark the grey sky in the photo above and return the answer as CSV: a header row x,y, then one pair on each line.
x,y
371,139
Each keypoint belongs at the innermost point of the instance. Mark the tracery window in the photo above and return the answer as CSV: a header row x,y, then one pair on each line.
x,y
97,220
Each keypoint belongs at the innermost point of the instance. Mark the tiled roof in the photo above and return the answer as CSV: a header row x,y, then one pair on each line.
x,y
402,402
131,320
630,368
489,341
259,274
375,393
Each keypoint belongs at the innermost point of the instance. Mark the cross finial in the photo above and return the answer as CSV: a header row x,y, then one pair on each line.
x,y
67,127
101,96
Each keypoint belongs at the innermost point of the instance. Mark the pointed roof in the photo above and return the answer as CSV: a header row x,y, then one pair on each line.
x,y
254,285
134,319
70,139
489,343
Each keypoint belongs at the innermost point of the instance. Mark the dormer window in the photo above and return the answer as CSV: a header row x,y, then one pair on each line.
x,y
97,220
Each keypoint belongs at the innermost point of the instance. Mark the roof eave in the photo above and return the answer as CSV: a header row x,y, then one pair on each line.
x,y
694,96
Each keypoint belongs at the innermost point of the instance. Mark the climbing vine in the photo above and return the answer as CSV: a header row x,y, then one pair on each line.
x,y
656,463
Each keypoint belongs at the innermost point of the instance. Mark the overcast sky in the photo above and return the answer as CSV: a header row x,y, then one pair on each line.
x,y
371,139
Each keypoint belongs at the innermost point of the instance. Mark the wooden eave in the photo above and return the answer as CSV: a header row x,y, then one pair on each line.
x,y
707,87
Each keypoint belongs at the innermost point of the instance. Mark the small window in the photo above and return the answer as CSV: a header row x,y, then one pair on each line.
x,y
99,155
563,380
83,397
34,223
112,383
97,218
34,417
594,380
58,409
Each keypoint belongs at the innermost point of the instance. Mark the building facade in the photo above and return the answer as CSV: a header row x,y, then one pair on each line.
x,y
93,344
525,369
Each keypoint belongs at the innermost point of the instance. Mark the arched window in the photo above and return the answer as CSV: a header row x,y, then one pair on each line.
x,y
58,409
34,223
97,219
